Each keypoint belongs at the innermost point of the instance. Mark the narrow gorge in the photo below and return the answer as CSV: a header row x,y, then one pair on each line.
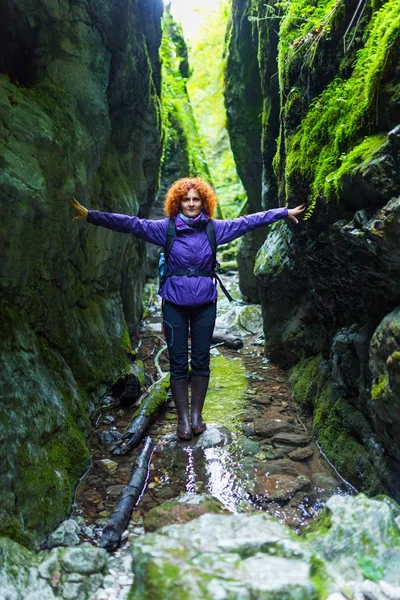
x,y
292,491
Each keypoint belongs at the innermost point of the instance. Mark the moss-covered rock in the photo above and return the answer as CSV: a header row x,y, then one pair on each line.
x,y
325,286
72,121
343,432
181,510
385,391
358,537
235,556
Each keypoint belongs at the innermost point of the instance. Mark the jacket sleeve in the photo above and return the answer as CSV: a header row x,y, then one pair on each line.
x,y
144,229
229,230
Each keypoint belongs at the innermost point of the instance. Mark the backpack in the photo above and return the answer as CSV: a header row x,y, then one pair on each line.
x,y
164,256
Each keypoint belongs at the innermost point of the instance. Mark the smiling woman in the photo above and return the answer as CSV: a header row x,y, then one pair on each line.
x,y
189,292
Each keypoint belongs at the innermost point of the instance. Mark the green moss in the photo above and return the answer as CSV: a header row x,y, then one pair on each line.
x,y
319,526
358,156
48,478
330,140
339,426
181,134
320,577
380,388
208,57
370,569
155,398
306,380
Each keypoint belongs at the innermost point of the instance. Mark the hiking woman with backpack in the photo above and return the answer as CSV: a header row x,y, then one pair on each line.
x,y
190,238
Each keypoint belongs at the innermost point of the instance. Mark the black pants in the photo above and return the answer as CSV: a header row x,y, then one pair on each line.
x,y
176,330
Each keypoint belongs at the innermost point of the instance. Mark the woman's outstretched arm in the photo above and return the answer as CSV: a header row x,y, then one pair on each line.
x,y
229,230
144,229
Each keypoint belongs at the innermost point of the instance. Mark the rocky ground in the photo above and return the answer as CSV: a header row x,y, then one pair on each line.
x,y
223,500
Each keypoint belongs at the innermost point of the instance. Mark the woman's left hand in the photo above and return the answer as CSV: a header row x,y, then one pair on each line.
x,y
296,212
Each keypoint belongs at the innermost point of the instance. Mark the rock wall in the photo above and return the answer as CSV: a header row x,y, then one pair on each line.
x,y
79,114
244,102
327,285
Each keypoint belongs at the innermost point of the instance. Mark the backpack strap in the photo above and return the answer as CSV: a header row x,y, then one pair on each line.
x,y
171,235
212,239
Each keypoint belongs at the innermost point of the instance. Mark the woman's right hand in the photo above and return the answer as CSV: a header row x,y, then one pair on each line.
x,y
81,210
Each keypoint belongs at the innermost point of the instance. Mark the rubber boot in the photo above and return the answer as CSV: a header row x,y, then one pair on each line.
x,y
180,395
199,391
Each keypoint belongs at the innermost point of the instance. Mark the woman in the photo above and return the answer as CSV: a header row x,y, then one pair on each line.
x,y
189,292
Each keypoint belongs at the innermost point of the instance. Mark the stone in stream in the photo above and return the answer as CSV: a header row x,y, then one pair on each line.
x,y
212,437
107,465
241,320
86,559
65,535
278,487
294,439
115,490
285,466
267,428
108,437
248,447
222,556
323,482
181,510
248,429
358,537
272,452
301,454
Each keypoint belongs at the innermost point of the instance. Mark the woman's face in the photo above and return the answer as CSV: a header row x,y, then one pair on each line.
x,y
191,204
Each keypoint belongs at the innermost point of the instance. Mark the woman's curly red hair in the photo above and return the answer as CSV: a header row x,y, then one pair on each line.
x,y
180,188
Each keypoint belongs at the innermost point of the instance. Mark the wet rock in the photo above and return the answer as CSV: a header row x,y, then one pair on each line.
x,y
86,559
241,320
126,388
359,537
115,490
82,97
285,466
212,437
182,510
71,590
248,429
324,482
279,487
273,453
301,454
220,556
107,465
294,439
248,447
65,535
107,437
268,428
384,363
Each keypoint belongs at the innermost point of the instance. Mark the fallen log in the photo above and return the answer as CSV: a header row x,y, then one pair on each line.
x,y
151,402
118,520
229,340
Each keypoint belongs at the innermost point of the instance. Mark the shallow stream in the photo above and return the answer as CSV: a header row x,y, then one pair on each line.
x,y
257,453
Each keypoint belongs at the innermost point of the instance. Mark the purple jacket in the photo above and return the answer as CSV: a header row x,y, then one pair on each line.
x,y
190,249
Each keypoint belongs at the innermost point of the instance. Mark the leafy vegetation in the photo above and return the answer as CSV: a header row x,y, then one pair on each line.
x,y
206,86
180,127
341,127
